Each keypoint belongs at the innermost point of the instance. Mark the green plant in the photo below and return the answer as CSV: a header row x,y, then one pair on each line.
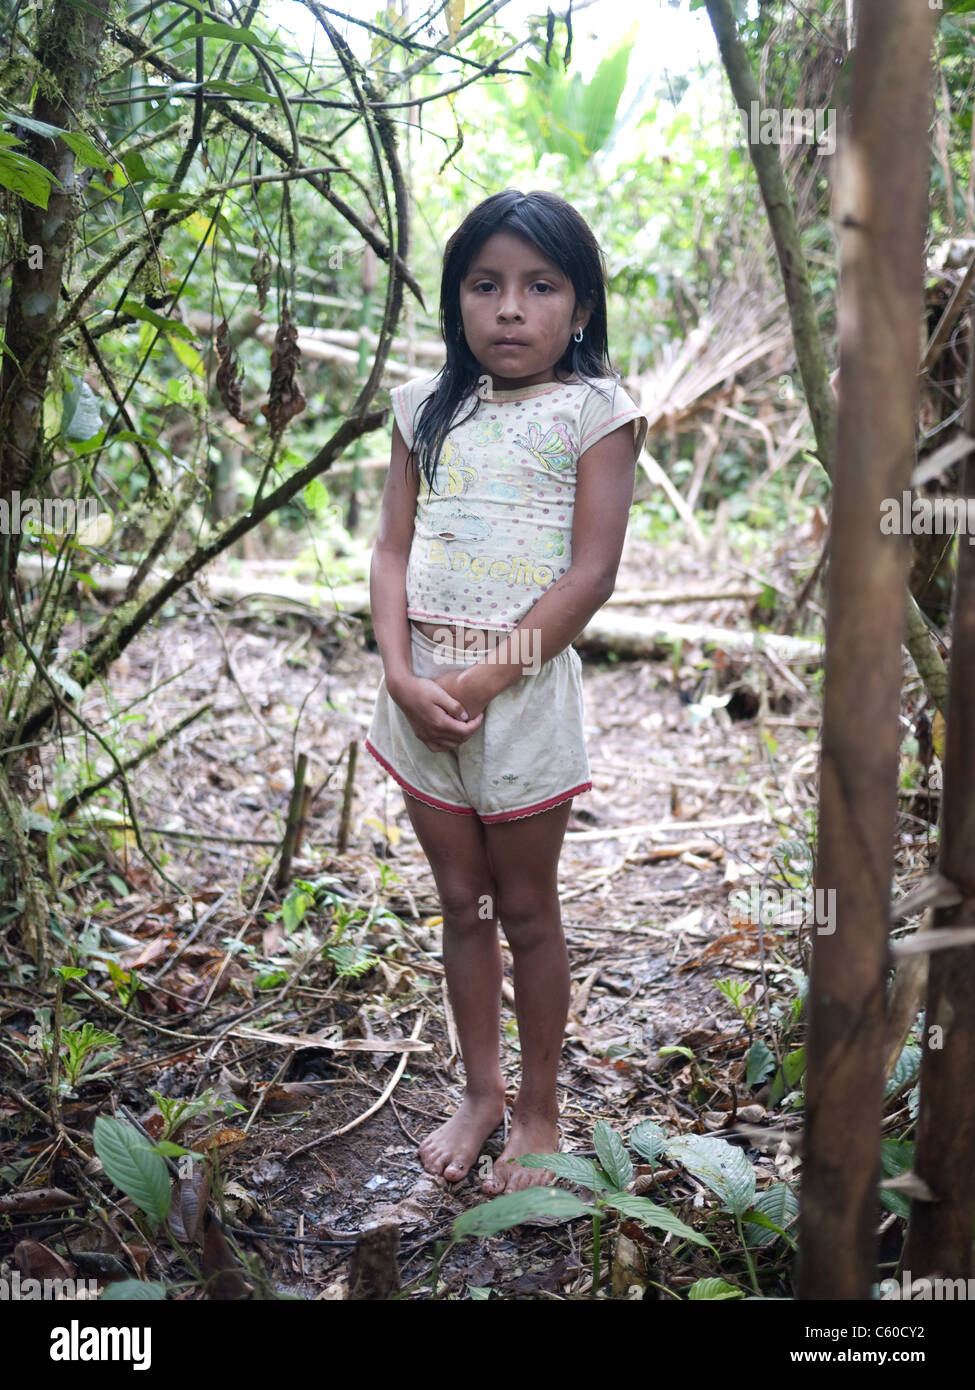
x,y
607,1180
734,991
176,1112
86,1051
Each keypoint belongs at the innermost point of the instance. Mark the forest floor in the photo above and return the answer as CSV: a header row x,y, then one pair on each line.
x,y
688,805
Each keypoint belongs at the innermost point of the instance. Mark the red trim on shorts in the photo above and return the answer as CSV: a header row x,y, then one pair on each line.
x,y
499,816
415,793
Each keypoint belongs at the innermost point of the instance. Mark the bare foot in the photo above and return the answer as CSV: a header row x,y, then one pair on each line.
x,y
453,1147
531,1133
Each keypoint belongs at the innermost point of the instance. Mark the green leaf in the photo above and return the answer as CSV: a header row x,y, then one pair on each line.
x,y
76,140
82,416
67,683
478,1294
896,1157
713,1290
243,91
778,1204
34,820
136,168
71,972
187,354
649,1214
135,310
131,1164
788,1078
571,1167
511,1208
649,1140
211,29
294,907
905,1069
611,1152
168,1149
720,1165
759,1062
676,1051
132,1290
22,175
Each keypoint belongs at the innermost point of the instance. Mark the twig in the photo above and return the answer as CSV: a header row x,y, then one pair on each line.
x,y
293,825
343,838
393,1083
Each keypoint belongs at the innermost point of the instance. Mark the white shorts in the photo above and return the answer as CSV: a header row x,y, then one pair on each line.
x,y
528,755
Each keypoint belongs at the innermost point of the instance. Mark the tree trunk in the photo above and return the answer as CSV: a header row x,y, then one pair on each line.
x,y
68,48
810,357
939,1240
881,209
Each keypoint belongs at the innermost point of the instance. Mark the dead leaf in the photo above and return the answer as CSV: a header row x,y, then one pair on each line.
x,y
285,399
221,1266
36,1261
41,1199
143,954
285,1097
186,1215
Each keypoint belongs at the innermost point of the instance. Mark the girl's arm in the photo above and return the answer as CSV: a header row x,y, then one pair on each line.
x,y
387,572
435,715
604,493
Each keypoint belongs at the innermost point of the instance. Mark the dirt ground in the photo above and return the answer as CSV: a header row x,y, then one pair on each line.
x,y
687,803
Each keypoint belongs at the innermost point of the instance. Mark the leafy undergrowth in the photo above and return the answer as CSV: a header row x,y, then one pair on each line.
x,y
220,1092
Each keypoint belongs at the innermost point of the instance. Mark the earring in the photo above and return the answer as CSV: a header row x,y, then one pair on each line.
x,y
577,336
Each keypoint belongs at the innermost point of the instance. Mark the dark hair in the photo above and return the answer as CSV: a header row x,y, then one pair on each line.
x,y
563,236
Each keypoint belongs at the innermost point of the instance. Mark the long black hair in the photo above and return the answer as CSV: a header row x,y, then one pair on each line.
x,y
564,238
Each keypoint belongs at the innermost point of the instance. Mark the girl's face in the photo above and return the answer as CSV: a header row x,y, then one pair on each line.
x,y
518,310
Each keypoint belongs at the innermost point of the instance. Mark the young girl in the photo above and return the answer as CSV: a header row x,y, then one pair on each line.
x,y
484,571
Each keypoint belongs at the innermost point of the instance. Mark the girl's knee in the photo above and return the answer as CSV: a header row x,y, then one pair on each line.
x,y
468,905
529,917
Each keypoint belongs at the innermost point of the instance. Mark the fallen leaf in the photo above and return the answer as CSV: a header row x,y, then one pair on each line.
x,y
36,1261
41,1199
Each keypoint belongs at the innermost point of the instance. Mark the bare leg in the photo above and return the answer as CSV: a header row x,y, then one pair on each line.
x,y
525,856
456,849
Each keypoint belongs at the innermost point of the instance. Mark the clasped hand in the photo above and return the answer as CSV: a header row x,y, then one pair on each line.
x,y
443,713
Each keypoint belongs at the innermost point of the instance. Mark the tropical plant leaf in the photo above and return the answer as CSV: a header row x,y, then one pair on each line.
x,y
779,1205
132,1290
722,1166
649,1214
511,1208
571,1167
905,1068
648,1139
131,1164
22,175
759,1062
611,1152
713,1290
788,1078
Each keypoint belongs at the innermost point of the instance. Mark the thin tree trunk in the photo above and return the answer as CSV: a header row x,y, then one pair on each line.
x,y
881,210
810,356
939,1239
68,46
